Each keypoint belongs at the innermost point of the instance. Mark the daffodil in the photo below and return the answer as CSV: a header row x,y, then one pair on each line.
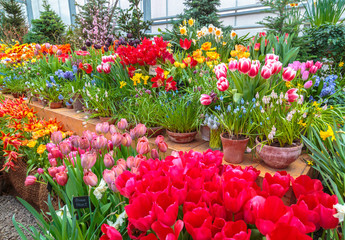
x,y
191,22
341,64
329,133
122,84
183,30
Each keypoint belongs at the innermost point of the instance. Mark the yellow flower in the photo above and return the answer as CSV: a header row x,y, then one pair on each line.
x,y
302,123
166,73
310,162
341,64
331,107
200,34
233,53
224,43
183,66
122,84
218,32
212,55
41,148
183,30
315,104
246,54
176,64
328,133
206,46
184,22
145,78
200,59
197,53
33,60
191,22
288,84
32,143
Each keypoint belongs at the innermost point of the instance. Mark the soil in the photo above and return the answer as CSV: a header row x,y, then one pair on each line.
x,y
277,144
239,137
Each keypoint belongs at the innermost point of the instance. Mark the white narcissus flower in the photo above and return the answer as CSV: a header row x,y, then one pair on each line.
x,y
61,211
119,221
341,211
102,187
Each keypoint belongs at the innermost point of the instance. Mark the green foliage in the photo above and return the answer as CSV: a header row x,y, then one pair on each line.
x,y
287,20
48,28
324,11
205,11
130,20
326,41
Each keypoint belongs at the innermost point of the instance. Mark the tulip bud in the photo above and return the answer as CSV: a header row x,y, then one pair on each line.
x,y
61,168
257,47
288,74
30,180
112,129
84,143
47,45
116,139
154,154
254,70
106,68
108,176
99,68
126,140
313,69
88,134
98,127
75,141
122,124
309,64
61,178
56,137
143,146
105,127
305,75
40,171
56,153
205,99
162,146
53,162
52,171
59,52
292,94
221,70
222,84
308,84
233,65
318,65
113,187
244,65
49,146
99,142
65,148
108,160
122,163
90,179
38,47
130,162
88,159
140,130
118,170
266,72
133,133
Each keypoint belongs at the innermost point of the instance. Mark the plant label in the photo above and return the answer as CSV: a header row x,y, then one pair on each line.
x,y
49,187
81,202
152,70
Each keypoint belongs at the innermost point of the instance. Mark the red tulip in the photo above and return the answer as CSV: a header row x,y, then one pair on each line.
x,y
304,185
271,57
86,67
110,233
122,124
326,211
269,214
318,65
244,65
90,178
179,189
222,84
143,146
135,233
217,225
165,232
30,180
205,99
309,64
234,231
266,72
233,65
185,44
254,70
109,176
252,207
125,183
108,160
285,231
126,140
166,209
56,137
88,159
313,69
116,139
61,178
288,74
277,185
292,95
198,224
52,171
140,213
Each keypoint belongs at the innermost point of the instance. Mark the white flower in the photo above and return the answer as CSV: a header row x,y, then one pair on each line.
x,y
257,95
262,110
120,220
289,116
304,115
102,187
324,107
61,211
341,211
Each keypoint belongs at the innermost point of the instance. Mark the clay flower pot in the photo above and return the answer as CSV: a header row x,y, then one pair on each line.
x,y
155,131
205,133
16,95
233,149
278,157
69,106
55,105
181,137
78,103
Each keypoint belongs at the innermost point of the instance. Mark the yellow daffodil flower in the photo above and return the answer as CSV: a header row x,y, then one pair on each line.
x,y
341,64
122,84
328,133
191,22
183,30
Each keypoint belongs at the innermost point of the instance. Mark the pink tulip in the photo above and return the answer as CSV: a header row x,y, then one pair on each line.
x,y
84,143
133,133
116,139
99,142
122,163
88,134
90,179
318,65
222,84
112,129
53,162
271,57
266,72
126,140
49,146
130,162
233,65
257,47
244,65
221,70
106,68
38,47
98,127
75,141
288,74
313,69
205,99
56,137
110,58
138,159
143,146
65,147
305,75
61,168
108,160
99,68
47,45
30,180
308,84
118,170
309,64
253,72
88,159
161,144
105,127
154,154
108,176
140,129
61,178
275,66
56,153
53,171
292,94
122,124
40,171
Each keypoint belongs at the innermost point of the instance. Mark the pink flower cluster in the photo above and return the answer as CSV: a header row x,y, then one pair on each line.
x,y
106,64
214,201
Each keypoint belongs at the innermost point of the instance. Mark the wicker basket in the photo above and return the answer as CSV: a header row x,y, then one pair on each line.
x,y
43,199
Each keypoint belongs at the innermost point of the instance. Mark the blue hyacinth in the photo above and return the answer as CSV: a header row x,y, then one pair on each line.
x,y
60,97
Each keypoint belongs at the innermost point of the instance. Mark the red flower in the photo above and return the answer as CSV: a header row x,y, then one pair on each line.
x,y
185,44
269,214
135,233
63,57
82,53
167,233
140,213
198,224
110,233
304,185
131,71
234,231
159,79
252,207
277,185
285,231
326,211
86,67
166,209
151,236
125,183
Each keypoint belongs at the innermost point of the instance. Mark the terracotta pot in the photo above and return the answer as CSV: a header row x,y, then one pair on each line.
x,y
205,133
78,103
69,106
55,105
233,149
16,95
278,157
181,137
43,102
154,131
110,120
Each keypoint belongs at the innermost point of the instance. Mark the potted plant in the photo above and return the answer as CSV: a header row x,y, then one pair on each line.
x,y
281,121
180,116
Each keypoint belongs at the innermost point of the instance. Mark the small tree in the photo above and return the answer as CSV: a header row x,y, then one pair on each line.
x,y
12,20
131,21
205,11
48,28
288,17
